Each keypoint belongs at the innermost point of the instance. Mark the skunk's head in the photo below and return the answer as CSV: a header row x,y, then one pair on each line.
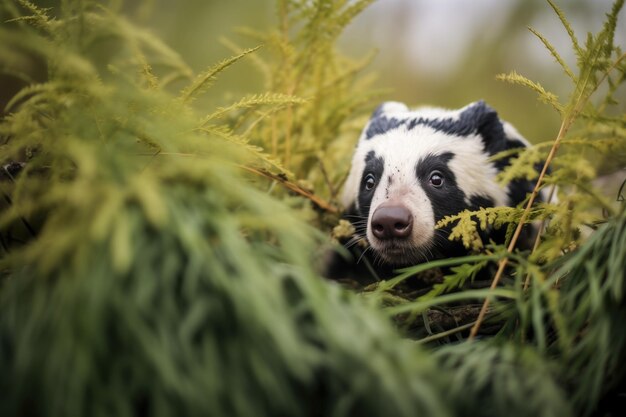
x,y
411,168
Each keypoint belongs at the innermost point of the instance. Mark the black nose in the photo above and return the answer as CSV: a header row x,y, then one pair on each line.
x,y
389,222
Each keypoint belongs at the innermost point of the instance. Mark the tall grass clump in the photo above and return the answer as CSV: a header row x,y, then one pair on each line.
x,y
154,261
142,273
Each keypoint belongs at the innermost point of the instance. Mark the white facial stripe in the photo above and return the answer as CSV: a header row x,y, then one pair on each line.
x,y
405,190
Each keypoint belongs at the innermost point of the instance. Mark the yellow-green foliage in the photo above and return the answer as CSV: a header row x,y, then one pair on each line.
x,y
312,140
142,272
591,141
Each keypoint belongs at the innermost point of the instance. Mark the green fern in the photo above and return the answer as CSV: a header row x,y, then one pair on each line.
x,y
143,272
457,279
305,64
543,95
255,100
158,279
204,80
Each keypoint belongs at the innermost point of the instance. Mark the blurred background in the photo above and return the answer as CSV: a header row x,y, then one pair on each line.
x,y
436,52
444,53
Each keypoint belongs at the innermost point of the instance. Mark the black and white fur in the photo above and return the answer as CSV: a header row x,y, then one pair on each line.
x,y
411,168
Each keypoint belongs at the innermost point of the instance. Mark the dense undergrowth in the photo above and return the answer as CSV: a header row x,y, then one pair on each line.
x,y
155,260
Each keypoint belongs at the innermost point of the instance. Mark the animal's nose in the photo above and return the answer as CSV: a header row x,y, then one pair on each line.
x,y
389,222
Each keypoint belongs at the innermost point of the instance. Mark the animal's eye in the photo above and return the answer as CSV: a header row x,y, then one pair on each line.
x,y
370,182
436,179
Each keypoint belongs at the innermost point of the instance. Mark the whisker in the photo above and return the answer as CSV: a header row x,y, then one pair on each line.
x,y
363,254
352,242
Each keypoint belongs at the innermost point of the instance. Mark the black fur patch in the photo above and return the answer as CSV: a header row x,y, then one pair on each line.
x,y
381,124
449,198
373,165
478,201
488,126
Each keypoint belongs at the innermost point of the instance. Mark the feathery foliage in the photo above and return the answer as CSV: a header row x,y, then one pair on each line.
x,y
313,138
143,272
157,279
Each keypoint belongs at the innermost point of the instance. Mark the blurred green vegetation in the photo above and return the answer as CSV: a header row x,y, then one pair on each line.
x,y
154,259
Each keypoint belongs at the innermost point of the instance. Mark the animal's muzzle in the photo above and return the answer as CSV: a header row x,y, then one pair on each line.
x,y
392,222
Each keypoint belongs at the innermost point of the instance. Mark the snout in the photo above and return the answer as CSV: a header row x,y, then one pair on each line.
x,y
392,221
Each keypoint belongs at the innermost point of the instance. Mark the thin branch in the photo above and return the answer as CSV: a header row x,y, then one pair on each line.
x,y
565,126
321,203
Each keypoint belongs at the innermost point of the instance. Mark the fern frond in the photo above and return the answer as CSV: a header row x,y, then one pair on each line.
x,y
262,66
139,40
345,17
554,54
609,27
39,18
204,80
468,222
524,165
261,158
30,92
148,74
544,96
577,49
272,99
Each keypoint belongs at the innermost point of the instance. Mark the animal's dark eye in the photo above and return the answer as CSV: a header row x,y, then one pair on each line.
x,y
370,182
436,179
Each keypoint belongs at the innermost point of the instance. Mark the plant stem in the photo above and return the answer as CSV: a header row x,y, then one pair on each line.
x,y
518,230
321,203
568,120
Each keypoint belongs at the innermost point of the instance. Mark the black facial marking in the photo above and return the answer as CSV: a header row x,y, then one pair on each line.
x,y
487,124
518,189
380,124
374,166
448,198
478,201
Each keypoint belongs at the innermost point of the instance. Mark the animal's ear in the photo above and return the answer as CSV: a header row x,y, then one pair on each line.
x,y
487,124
